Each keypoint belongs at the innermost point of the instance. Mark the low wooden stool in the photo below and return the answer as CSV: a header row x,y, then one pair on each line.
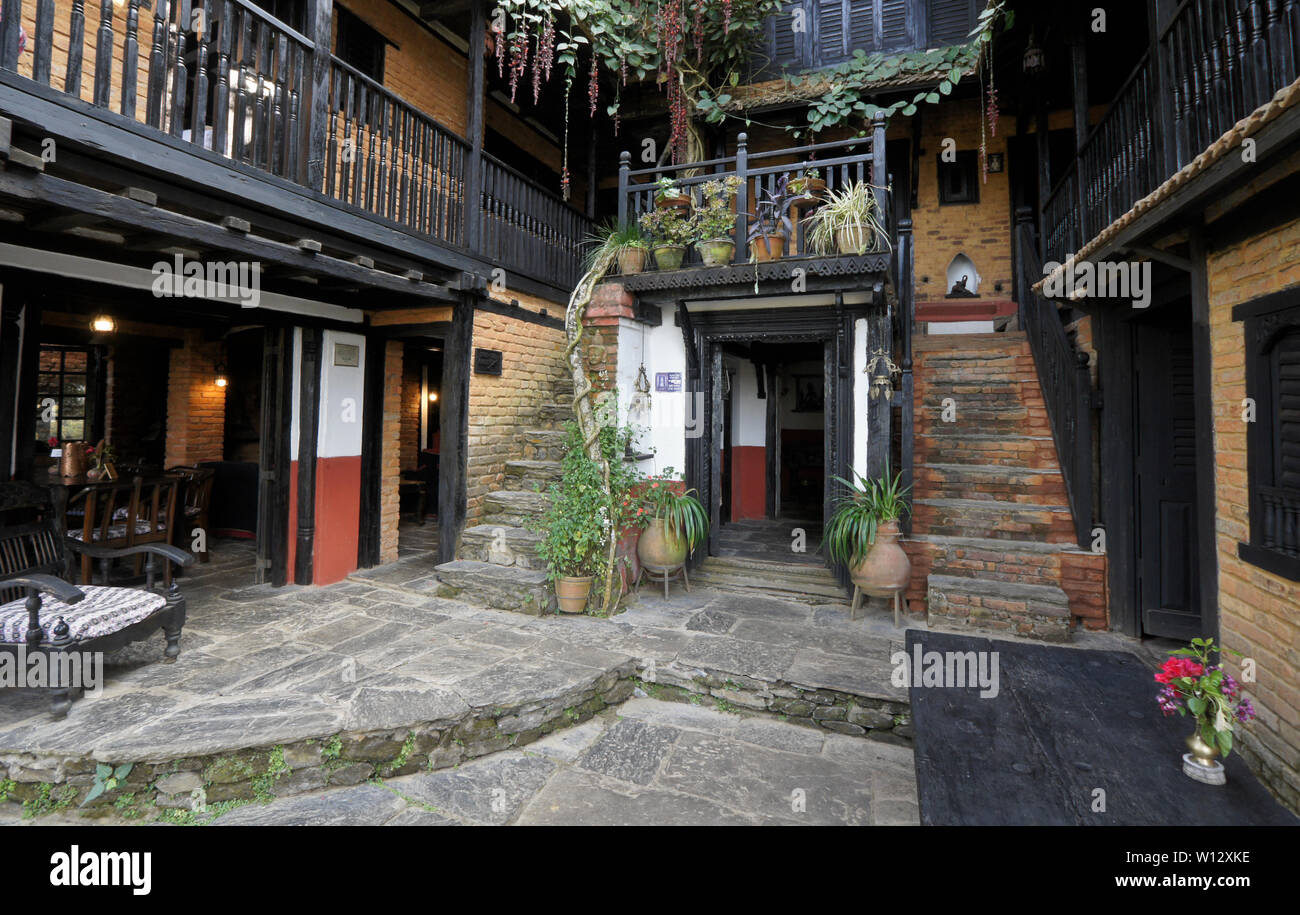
x,y
857,600
658,573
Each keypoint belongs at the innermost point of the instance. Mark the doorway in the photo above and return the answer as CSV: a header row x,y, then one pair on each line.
x,y
420,446
1165,479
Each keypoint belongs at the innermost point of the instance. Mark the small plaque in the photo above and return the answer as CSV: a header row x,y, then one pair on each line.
x,y
668,381
348,354
996,163
487,362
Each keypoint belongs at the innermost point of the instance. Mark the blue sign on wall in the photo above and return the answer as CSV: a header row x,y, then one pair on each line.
x,y
668,381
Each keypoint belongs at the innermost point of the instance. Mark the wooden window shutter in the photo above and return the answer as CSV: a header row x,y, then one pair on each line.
x,y
893,25
1286,411
862,25
950,22
831,30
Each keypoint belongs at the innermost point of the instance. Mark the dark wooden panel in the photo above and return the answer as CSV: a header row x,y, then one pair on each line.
x,y
309,391
454,412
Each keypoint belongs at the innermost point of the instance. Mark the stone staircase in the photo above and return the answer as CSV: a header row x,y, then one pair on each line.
x,y
796,581
497,563
993,545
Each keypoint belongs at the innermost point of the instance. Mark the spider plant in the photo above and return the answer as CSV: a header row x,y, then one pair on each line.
x,y
682,513
614,238
848,221
867,504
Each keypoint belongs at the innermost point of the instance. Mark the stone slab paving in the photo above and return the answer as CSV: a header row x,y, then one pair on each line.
x,y
647,762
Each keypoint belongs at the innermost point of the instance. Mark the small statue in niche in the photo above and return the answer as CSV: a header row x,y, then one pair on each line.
x,y
959,290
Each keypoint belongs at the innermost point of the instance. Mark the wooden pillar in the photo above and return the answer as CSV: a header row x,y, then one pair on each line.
x,y
906,312
1203,393
273,487
593,173
454,411
320,14
372,452
1079,74
308,430
1042,134
474,92
11,310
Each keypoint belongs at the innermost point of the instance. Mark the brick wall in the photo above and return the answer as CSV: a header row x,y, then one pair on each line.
x,y
391,452
501,407
196,407
1257,610
410,407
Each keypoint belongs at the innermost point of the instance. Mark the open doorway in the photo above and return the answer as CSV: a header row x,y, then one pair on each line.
x,y
421,446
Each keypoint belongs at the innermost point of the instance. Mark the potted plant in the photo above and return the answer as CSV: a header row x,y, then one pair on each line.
x,y
862,533
675,522
669,233
1193,685
575,527
626,241
670,196
771,226
848,221
714,220
808,187
102,462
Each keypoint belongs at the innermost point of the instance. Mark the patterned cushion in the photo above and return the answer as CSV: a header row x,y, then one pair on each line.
x,y
101,611
115,531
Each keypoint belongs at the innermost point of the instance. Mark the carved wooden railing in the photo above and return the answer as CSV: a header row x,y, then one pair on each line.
x,y
1062,375
840,164
1216,61
1280,520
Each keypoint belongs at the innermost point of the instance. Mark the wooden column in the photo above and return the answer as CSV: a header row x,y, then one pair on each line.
x,y
320,14
1203,393
474,96
454,408
11,309
1079,74
906,314
372,452
1042,134
308,430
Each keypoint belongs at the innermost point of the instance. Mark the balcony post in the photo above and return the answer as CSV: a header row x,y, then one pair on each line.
x,y
624,166
474,89
879,168
320,30
742,198
12,10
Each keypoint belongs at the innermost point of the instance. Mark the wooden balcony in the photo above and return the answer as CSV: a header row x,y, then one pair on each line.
x,y
1213,62
222,95
840,164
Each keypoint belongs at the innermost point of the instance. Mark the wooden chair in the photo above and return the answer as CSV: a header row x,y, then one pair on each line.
x,y
99,514
196,500
153,518
70,620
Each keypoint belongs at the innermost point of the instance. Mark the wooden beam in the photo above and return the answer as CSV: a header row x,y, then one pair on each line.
x,y
452,466
412,316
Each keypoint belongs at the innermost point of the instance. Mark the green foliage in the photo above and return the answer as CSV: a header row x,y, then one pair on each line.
x,y
865,506
715,217
106,779
682,513
275,768
854,210
666,226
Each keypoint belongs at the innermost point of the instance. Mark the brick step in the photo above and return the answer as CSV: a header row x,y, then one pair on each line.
x,y
1032,451
994,520
1000,385
1025,561
928,343
503,546
542,444
990,482
496,586
531,476
968,419
506,508
997,607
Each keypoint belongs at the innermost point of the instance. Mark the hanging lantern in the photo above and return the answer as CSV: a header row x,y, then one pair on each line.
x,y
221,380
1035,61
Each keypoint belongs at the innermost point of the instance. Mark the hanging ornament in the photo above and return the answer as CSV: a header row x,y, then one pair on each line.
x,y
881,370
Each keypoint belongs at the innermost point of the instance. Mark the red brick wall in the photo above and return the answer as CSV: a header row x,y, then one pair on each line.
x,y
410,434
390,459
196,407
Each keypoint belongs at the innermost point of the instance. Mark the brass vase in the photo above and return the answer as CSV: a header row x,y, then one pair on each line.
x,y
1202,752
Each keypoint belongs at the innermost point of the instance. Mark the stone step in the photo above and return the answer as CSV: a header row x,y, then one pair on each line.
x,y
766,568
508,508
1030,451
790,584
967,419
1024,561
934,396
542,444
931,345
990,482
554,415
531,476
997,607
992,520
503,546
496,586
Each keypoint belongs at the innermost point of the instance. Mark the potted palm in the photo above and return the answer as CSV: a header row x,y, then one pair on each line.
x,y
848,221
628,244
771,227
669,233
675,522
575,527
714,220
862,533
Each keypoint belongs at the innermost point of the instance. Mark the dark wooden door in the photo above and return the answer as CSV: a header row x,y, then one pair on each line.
x,y
1166,478
273,469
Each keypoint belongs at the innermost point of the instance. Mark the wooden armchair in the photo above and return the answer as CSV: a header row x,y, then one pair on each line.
x,y
41,613
196,500
124,513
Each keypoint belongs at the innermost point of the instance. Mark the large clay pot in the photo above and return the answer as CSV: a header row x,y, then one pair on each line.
x,y
571,593
853,239
767,248
669,257
886,568
716,252
659,550
631,261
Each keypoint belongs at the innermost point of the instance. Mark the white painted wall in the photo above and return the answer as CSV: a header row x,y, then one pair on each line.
x,y
786,388
342,398
664,434
748,413
861,392
959,327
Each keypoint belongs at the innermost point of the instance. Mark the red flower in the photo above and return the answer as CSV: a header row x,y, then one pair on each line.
x,y
1176,667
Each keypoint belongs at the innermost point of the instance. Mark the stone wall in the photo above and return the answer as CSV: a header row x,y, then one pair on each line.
x,y
196,407
1257,609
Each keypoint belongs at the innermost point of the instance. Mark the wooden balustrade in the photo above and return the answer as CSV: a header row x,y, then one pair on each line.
x,y
530,229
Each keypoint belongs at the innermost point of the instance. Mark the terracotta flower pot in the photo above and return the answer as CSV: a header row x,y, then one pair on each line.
x,y
571,593
886,568
716,252
680,202
808,187
631,261
852,239
660,550
767,248
669,257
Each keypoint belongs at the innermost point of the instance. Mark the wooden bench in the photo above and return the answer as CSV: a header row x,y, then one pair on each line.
x,y
40,612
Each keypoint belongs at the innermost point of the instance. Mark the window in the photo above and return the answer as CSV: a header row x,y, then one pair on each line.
x,y
957,179
359,45
62,387
1273,474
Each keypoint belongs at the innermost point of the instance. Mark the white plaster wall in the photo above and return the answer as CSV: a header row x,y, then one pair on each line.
x,y
664,435
960,327
861,390
748,413
786,384
342,397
